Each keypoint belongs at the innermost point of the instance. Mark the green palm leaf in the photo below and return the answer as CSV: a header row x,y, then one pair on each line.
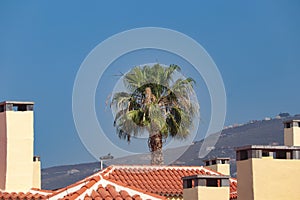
x,y
156,103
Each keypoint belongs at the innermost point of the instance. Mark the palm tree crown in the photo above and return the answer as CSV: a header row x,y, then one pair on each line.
x,y
158,102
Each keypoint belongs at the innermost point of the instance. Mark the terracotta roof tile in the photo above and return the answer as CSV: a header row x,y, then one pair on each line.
x,y
125,195
125,183
88,198
136,197
161,180
22,196
98,188
95,195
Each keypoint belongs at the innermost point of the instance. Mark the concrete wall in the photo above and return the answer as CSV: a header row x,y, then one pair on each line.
x,y
36,174
245,180
268,179
19,150
190,193
221,168
206,193
292,136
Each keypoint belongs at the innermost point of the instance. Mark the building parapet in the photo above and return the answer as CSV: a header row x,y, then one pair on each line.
x,y
16,106
215,161
205,181
259,151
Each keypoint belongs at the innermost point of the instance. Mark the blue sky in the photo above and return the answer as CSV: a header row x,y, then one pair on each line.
x,y
256,46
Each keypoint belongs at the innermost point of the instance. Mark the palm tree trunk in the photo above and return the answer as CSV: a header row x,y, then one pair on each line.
x,y
155,145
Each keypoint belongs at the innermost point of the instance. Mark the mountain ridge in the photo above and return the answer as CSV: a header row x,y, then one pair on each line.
x,y
265,132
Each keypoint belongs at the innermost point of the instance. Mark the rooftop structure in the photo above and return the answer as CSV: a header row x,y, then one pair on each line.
x,y
268,172
292,133
220,165
19,168
203,187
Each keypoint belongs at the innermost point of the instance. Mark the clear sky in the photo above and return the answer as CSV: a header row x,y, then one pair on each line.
x,y
255,44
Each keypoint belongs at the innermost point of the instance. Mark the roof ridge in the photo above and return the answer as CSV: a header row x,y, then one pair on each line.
x,y
88,188
107,170
161,167
154,167
41,191
211,170
71,188
114,182
91,187
85,187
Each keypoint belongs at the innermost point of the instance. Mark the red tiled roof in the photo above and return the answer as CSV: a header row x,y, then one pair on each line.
x,y
133,182
108,193
98,188
233,188
41,191
21,196
161,180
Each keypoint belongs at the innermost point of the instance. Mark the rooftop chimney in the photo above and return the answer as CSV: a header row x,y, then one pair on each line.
x,y
220,165
203,187
268,172
19,170
292,133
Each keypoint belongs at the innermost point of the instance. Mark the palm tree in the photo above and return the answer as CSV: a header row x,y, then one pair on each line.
x,y
155,103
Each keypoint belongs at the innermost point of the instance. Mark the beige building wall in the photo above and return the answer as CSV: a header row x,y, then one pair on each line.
x,y
36,181
206,193
18,172
221,168
190,193
19,151
268,179
3,145
292,136
245,180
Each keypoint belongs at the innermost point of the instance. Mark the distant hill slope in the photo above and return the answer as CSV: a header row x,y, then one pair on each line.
x,y
62,176
269,132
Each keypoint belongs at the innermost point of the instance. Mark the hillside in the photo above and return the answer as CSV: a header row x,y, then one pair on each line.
x,y
268,132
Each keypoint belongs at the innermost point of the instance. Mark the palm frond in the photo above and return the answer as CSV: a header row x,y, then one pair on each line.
x,y
171,113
